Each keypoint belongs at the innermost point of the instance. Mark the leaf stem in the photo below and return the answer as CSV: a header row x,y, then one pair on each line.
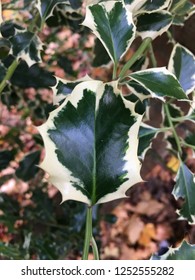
x,y
188,145
114,73
135,57
173,129
88,234
10,72
94,248
152,56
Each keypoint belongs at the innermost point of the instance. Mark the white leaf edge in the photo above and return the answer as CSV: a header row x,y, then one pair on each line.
x,y
38,6
172,251
133,164
25,56
89,22
152,33
134,6
171,63
140,95
182,218
162,7
57,98
154,70
52,166
144,125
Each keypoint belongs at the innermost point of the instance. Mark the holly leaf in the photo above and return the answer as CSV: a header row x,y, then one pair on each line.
x,y
142,6
154,6
134,5
5,157
28,166
146,135
181,11
117,31
153,24
46,7
91,144
140,91
184,252
182,65
34,76
185,188
64,87
26,45
160,83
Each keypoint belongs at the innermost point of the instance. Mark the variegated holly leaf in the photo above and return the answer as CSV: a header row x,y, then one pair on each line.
x,y
113,25
142,6
46,7
182,65
134,5
154,6
26,45
91,144
181,11
185,188
140,91
153,24
65,87
184,252
160,83
146,135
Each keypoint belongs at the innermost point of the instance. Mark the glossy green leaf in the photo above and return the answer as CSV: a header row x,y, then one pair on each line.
x,y
46,7
26,45
34,76
160,83
65,87
117,31
182,64
28,166
153,24
185,188
5,157
91,144
134,5
146,135
154,6
184,252
142,6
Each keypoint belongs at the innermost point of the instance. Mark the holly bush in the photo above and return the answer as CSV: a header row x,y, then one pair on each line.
x,y
91,135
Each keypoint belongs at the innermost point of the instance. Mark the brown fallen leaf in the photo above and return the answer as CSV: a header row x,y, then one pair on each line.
x,y
148,233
